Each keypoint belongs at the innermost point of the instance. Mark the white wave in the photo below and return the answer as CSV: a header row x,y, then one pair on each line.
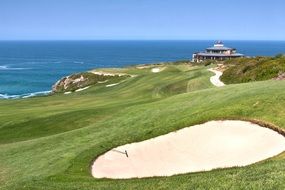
x,y
78,62
43,93
5,67
7,96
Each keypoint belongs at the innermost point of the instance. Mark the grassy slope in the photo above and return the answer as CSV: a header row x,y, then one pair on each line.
x,y
253,69
49,143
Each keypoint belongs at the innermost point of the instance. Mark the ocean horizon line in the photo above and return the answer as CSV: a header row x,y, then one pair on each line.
x,y
135,40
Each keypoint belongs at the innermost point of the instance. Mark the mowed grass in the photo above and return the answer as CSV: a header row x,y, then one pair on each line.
x,y
50,142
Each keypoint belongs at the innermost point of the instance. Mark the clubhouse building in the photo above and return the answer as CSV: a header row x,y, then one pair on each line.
x,y
218,52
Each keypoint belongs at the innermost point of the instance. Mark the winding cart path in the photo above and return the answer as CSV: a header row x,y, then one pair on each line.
x,y
215,80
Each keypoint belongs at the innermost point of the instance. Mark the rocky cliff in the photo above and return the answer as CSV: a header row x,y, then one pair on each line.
x,y
81,80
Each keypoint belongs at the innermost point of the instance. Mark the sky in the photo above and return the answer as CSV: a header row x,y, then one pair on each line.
x,y
142,19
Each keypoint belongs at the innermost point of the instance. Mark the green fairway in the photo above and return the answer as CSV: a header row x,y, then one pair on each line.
x,y
50,142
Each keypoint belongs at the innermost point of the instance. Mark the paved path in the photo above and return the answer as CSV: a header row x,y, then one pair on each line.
x,y
215,80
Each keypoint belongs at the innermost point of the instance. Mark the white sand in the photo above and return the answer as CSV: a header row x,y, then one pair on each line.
x,y
110,85
81,89
215,80
102,82
107,74
143,67
216,144
155,70
67,92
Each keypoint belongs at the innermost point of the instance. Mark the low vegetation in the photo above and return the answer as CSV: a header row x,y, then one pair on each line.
x,y
243,70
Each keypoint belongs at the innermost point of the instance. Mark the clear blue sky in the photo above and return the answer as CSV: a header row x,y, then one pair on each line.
x,y
142,19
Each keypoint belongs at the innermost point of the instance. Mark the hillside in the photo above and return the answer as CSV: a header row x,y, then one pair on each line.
x,y
85,79
50,142
254,69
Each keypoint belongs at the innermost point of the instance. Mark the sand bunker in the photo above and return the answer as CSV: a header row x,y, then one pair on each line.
x,y
215,144
68,92
155,70
107,74
110,85
81,89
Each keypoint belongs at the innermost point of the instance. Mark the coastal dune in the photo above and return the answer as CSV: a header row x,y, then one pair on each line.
x,y
215,144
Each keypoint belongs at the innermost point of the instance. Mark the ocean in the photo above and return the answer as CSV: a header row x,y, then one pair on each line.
x,y
29,68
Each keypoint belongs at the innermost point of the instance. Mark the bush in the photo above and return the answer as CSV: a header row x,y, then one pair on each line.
x,y
253,69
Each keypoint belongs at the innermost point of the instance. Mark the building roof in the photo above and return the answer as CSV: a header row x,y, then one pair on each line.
x,y
220,48
219,54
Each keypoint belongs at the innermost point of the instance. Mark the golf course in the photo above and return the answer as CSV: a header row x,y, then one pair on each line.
x,y
52,142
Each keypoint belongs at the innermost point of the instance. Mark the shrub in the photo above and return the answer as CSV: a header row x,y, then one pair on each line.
x,y
253,69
